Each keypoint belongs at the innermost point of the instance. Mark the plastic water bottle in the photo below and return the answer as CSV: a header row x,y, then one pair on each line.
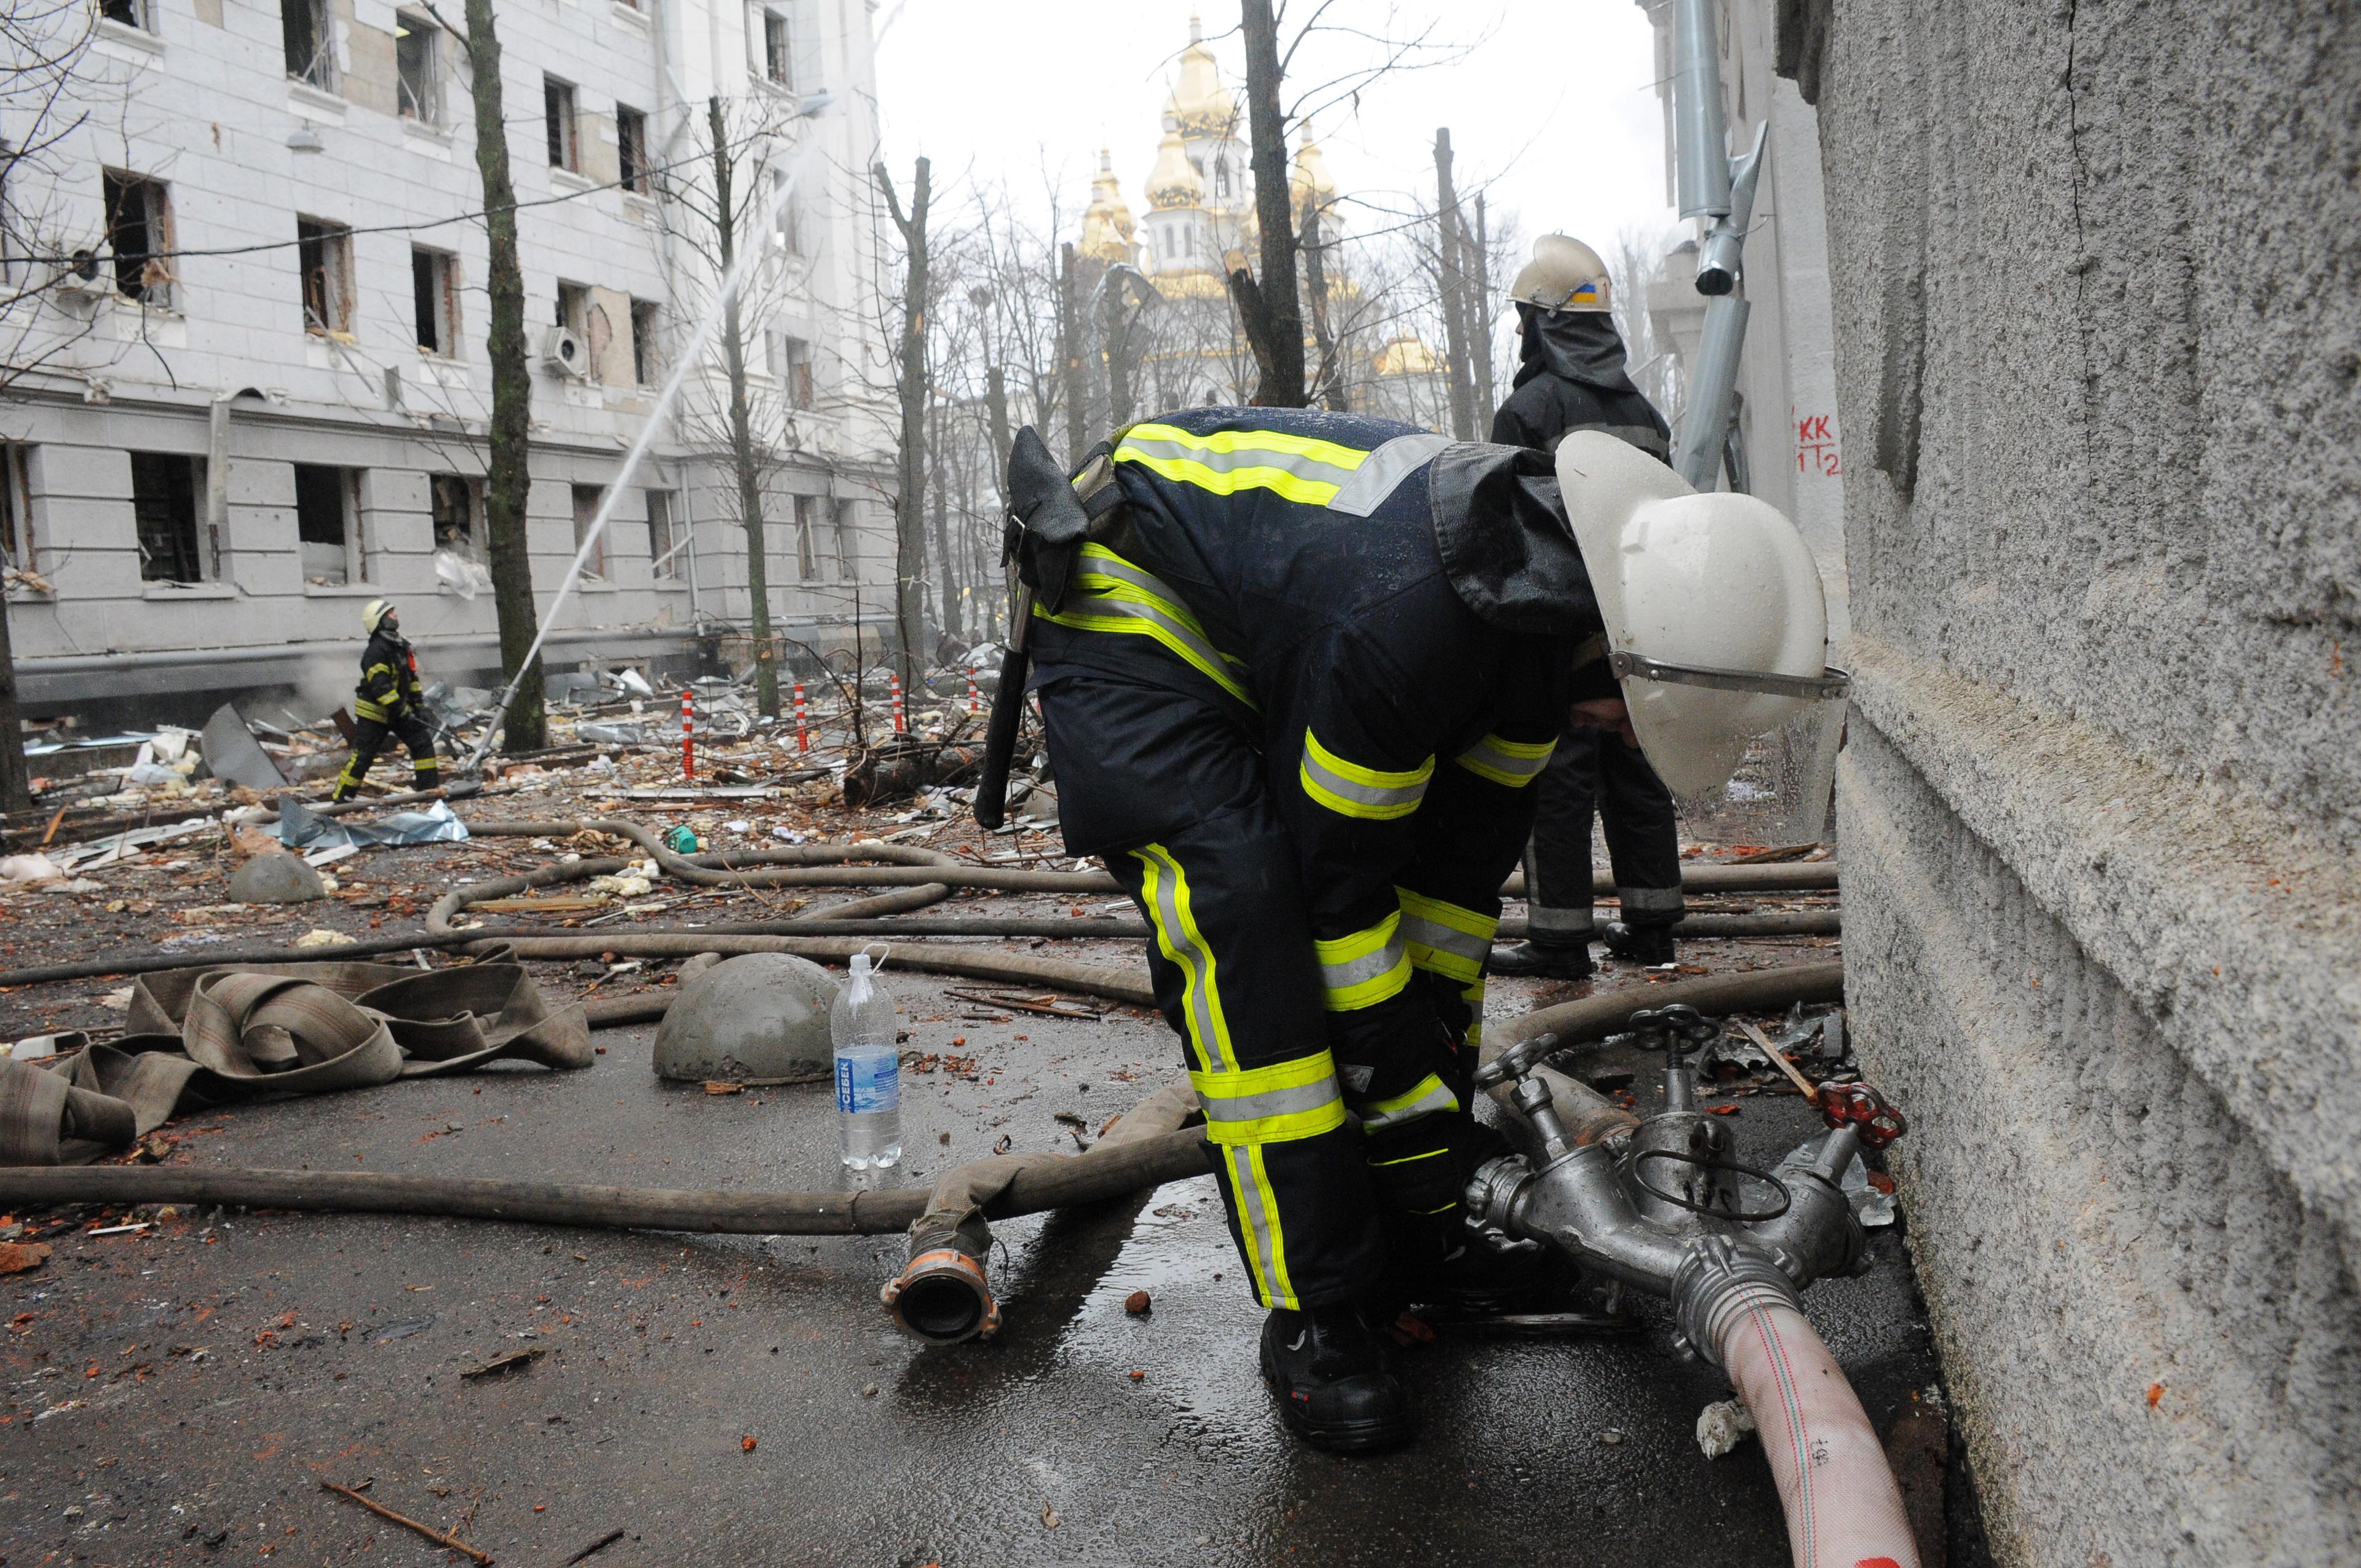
x,y
868,1071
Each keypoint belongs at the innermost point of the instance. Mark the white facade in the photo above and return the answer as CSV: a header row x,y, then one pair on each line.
x,y
208,485
1787,377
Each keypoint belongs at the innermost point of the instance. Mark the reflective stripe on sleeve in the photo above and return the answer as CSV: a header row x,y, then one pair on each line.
x,y
1425,1097
1443,937
1515,763
1111,594
1295,467
1273,1104
1352,790
1364,968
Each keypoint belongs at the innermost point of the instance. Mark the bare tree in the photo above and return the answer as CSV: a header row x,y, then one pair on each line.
x,y
910,383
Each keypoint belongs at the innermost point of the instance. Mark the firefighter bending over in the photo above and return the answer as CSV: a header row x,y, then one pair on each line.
x,y
388,702
1299,672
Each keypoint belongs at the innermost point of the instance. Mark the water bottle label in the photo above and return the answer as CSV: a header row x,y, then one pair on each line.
x,y
868,1083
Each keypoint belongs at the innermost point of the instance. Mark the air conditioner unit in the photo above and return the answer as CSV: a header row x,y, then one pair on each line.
x,y
565,354
87,278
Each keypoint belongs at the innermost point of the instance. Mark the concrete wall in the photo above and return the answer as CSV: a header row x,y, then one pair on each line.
x,y
2097,324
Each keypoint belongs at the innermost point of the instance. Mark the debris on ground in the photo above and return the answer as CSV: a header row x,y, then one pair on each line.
x,y
1723,1427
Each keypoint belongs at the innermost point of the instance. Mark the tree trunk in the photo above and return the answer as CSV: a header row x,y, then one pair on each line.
x,y
1479,321
508,476
910,362
946,588
1454,318
1280,323
1118,356
15,774
1069,358
1328,379
744,461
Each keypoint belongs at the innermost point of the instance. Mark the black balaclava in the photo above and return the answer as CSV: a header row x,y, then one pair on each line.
x,y
1581,345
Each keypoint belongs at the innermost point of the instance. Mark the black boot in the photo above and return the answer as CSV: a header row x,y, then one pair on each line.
x,y
1332,1376
1543,960
1648,945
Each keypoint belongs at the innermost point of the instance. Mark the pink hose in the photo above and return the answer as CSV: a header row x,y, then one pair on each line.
x,y
1843,1508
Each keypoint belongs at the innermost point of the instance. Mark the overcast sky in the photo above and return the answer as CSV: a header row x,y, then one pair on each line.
x,y
1555,108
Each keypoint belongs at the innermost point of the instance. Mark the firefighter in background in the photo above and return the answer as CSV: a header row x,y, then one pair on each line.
x,y
388,702
1298,673
1571,376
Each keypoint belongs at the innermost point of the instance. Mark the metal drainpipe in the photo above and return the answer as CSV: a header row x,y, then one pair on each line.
x,y
217,474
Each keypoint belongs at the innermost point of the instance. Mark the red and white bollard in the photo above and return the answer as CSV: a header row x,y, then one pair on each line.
x,y
901,720
803,725
687,733
971,692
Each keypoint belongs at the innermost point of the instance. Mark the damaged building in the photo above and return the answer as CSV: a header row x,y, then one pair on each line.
x,y
262,401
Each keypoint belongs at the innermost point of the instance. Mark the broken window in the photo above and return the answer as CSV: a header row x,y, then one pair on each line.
x,y
632,148
15,510
325,252
661,544
807,537
418,67
434,300
164,487
647,362
311,49
586,517
787,214
797,372
130,13
565,135
847,556
574,309
451,500
778,57
139,232
327,524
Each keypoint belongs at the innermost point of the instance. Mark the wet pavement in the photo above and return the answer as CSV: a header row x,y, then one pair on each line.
x,y
176,1396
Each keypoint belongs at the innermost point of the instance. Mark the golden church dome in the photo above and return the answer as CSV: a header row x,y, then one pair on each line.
x,y
1405,356
1175,181
1200,104
1311,175
1107,225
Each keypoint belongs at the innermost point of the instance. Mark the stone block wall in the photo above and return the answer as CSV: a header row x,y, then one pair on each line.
x,y
2099,368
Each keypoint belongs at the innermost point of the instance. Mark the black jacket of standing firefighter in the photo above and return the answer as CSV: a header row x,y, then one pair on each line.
x,y
1296,679
1570,377
388,702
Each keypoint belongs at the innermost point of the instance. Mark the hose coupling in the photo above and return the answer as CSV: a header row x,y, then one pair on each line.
x,y
942,1298
1490,1196
1718,1283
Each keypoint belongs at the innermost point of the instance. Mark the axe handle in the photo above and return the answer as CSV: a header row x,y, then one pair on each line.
x,y
1000,739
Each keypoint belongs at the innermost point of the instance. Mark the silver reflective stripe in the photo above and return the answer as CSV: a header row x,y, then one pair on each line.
x,y
1488,752
1384,470
1369,967
1444,939
1258,1220
1566,922
1219,1107
1654,899
1438,1098
1123,571
1195,961
1294,463
1380,797
1213,662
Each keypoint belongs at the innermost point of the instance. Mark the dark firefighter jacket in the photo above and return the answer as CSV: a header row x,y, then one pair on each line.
x,y
1570,377
388,679
1392,620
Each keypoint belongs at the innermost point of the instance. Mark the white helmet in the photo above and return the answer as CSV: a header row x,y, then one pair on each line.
x,y
1716,624
1564,275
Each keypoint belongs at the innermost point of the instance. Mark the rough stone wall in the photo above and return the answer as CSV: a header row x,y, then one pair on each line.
x,y
2098,343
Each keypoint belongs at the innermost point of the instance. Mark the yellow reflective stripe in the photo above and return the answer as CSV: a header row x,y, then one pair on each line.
x,y
1474,996
1425,1097
1141,619
1352,790
1430,1153
1123,597
1443,937
1515,763
1165,892
364,709
1258,1209
1229,443
1273,1104
1181,470
1364,968
1299,467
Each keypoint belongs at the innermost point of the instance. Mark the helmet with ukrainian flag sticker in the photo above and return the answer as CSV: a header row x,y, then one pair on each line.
x,y
1564,275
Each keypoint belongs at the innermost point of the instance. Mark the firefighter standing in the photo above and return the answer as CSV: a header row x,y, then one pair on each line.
x,y
1298,673
1571,376
388,702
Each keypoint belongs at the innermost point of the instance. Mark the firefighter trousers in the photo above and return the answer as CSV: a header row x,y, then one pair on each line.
x,y
1593,771
370,736
1170,790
